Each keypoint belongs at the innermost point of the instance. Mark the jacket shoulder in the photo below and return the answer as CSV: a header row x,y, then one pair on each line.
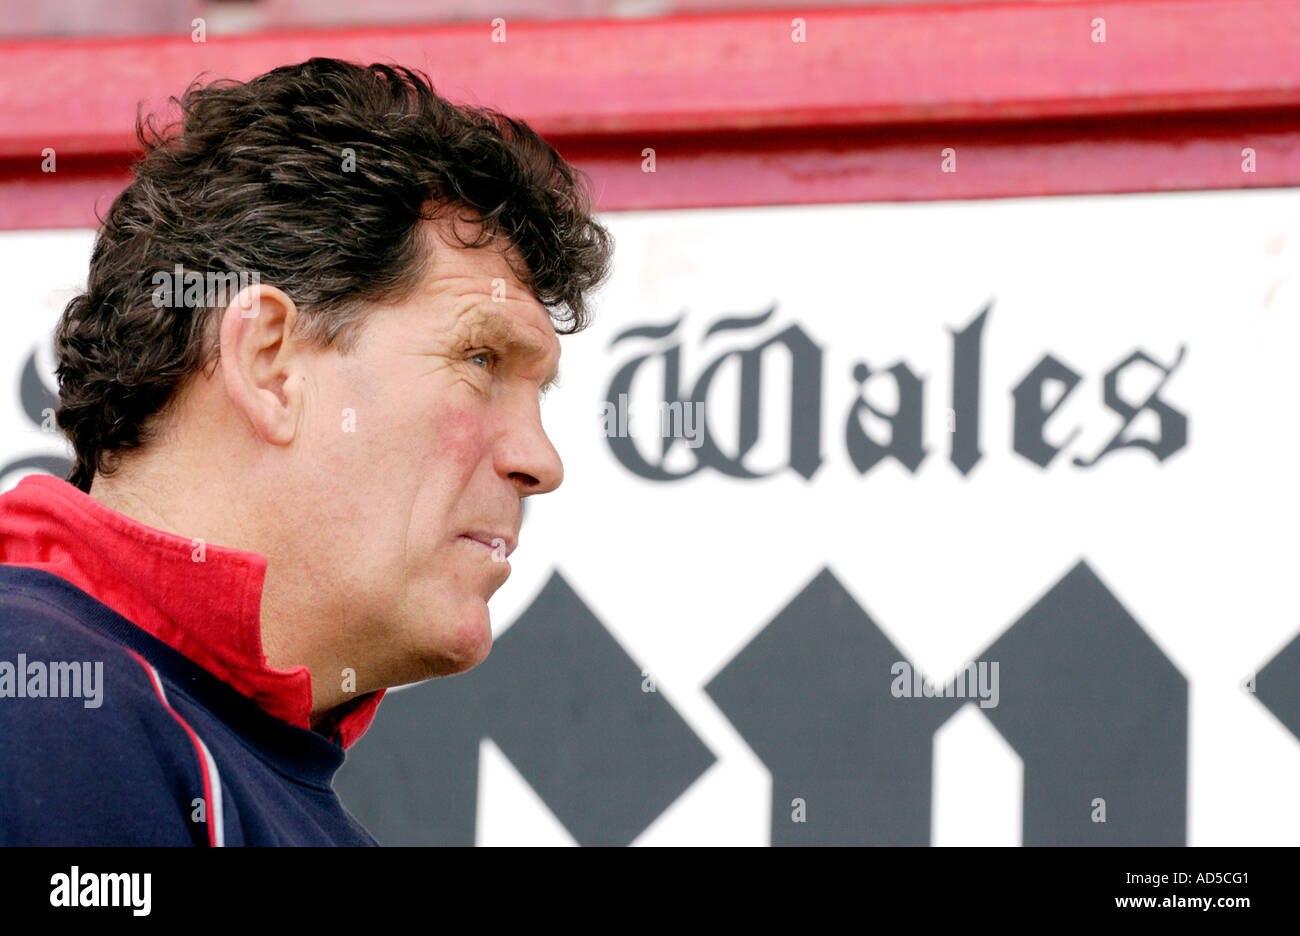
x,y
90,752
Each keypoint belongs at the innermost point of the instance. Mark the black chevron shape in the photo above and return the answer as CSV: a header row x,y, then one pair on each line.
x,y
1092,706
1277,686
1095,709
811,695
563,701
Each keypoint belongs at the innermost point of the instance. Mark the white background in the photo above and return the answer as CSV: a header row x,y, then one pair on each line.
x,y
1201,549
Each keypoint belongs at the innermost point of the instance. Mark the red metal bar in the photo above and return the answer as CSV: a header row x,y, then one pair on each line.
x,y
1064,159
865,67
738,113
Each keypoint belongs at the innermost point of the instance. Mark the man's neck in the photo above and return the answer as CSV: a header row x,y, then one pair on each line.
x,y
146,500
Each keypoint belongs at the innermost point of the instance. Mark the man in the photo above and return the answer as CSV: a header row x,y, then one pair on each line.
x,y
303,387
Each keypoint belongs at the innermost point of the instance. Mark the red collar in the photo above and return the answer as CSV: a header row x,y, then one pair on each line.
x,y
209,610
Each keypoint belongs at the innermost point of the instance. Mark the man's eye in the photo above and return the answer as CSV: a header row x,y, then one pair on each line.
x,y
488,356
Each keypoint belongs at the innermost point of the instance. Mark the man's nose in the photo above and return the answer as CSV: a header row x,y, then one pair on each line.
x,y
528,457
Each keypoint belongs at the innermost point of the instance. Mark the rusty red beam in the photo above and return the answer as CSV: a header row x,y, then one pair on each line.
x,y
1069,158
738,113
737,71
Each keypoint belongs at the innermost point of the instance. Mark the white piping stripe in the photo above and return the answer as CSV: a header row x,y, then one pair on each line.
x,y
210,765
214,780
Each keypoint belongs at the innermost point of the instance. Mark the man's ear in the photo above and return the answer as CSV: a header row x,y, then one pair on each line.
x,y
259,361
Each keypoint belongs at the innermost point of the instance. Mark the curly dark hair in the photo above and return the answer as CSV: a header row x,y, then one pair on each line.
x,y
315,177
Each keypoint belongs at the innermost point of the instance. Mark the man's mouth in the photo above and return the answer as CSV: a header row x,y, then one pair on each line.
x,y
499,546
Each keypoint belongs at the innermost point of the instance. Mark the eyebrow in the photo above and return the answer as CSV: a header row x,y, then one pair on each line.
x,y
490,326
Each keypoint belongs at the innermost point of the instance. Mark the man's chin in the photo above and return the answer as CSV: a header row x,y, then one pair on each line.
x,y
464,646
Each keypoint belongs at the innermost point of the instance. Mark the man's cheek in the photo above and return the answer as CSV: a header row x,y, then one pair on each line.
x,y
460,442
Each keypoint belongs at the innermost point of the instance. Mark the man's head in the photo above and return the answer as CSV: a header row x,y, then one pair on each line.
x,y
363,401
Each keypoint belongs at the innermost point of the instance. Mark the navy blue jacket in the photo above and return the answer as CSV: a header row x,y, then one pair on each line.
x,y
127,771
109,736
